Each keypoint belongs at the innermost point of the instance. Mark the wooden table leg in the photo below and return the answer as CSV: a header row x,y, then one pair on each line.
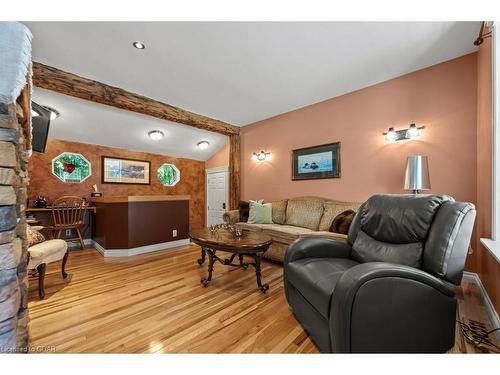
x,y
203,255
211,260
263,287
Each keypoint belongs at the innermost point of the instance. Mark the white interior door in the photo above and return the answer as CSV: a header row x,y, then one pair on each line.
x,y
216,196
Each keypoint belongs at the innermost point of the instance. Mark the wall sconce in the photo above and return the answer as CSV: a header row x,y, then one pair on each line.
x,y
398,135
260,156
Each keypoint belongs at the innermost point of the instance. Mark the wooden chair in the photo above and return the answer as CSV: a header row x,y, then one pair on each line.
x,y
67,213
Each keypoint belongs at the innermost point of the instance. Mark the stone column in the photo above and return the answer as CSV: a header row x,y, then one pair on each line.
x,y
15,138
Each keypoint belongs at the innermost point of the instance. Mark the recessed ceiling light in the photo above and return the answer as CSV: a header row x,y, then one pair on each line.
x,y
156,135
202,145
139,45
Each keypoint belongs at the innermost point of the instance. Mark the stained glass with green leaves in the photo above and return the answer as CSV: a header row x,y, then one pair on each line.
x,y
168,174
70,167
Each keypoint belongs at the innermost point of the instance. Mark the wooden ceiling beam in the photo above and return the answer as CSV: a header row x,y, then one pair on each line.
x,y
57,80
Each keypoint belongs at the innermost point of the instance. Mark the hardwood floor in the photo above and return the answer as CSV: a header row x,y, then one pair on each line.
x,y
154,303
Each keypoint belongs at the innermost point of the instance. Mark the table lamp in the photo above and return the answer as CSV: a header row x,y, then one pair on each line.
x,y
417,174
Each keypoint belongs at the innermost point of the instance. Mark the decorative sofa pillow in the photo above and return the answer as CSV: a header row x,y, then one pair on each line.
x,y
34,236
260,213
332,210
279,211
342,222
244,208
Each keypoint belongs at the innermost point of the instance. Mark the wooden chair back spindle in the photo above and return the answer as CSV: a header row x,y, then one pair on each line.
x,y
68,213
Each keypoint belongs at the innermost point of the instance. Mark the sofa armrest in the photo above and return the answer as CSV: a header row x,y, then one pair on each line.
x,y
316,247
385,307
325,234
231,217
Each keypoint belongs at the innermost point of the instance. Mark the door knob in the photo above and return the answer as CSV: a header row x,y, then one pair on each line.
x,y
224,205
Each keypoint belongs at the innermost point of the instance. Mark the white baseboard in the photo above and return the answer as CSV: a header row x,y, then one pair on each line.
x,y
139,250
75,245
471,277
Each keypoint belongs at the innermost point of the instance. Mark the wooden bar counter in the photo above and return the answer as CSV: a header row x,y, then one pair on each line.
x,y
131,225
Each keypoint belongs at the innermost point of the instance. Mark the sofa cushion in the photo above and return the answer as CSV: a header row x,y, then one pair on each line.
x,y
331,210
279,211
304,212
285,233
400,219
367,249
251,227
315,279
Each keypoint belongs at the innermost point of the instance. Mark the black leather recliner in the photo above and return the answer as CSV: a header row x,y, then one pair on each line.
x,y
391,287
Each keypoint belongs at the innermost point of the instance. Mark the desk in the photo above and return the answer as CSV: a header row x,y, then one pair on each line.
x,y
129,225
43,217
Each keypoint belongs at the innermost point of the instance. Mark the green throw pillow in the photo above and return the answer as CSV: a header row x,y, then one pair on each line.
x,y
260,213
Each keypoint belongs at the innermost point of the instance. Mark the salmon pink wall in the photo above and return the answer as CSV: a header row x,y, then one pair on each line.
x,y
442,97
220,159
43,182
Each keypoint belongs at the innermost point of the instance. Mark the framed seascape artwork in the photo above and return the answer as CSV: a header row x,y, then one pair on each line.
x,y
125,171
316,162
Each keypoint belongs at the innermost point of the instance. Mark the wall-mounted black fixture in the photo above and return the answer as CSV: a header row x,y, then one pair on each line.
x,y
398,135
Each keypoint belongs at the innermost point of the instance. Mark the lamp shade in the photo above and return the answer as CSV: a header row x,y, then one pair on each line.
x,y
417,174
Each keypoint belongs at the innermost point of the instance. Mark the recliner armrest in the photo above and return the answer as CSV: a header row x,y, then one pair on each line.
x,y
368,289
316,247
353,278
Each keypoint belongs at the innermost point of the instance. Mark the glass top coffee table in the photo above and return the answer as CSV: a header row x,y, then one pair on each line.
x,y
250,244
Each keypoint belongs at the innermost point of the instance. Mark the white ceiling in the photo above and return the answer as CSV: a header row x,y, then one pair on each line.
x,y
242,72
87,122
235,72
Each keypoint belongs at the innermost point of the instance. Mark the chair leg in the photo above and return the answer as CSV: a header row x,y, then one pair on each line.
x,y
41,279
63,267
80,237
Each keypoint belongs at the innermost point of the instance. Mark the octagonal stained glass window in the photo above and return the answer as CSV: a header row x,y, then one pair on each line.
x,y
70,167
168,174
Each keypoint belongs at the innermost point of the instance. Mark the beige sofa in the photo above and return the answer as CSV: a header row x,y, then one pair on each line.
x,y
294,218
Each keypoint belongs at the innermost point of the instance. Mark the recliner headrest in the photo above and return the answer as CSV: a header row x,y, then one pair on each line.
x,y
400,218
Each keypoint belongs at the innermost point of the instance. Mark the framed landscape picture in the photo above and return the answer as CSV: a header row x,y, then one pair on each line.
x,y
316,162
125,171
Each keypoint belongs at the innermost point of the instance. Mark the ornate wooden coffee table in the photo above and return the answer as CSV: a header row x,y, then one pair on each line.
x,y
251,244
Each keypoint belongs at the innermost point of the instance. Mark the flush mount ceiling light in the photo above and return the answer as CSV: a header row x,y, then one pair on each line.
x,y
156,135
139,45
203,145
398,135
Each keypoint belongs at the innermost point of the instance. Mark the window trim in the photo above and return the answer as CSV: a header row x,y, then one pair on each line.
x,y
493,244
